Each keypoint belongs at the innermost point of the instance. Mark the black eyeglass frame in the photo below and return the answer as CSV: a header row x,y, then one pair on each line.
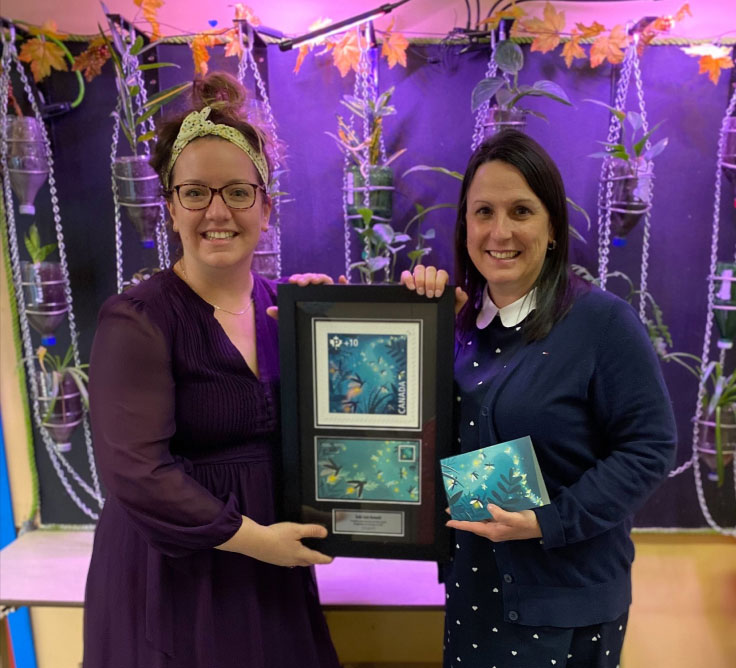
x,y
218,191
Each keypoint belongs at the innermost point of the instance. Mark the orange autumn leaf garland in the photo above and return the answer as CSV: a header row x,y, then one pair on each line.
x,y
346,48
200,54
304,49
42,53
346,52
492,22
150,13
91,60
547,31
245,13
608,46
394,47
713,66
230,37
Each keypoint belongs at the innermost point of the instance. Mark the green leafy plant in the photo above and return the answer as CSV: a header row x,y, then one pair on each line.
x,y
36,251
365,151
132,115
631,147
381,243
504,89
59,368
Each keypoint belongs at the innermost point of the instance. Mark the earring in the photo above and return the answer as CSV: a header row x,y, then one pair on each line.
x,y
552,245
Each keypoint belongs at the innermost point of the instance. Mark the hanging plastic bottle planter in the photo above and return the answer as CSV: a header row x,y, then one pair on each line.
x,y
708,449
27,162
716,421
724,303
139,192
60,402
380,191
135,186
728,159
631,196
498,119
506,93
43,293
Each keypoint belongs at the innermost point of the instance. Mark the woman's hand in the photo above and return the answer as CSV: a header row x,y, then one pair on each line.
x,y
314,279
306,279
503,526
279,544
431,281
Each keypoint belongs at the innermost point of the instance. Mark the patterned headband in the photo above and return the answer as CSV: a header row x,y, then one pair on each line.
x,y
197,125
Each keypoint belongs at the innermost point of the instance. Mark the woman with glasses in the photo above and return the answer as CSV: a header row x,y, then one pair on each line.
x,y
189,568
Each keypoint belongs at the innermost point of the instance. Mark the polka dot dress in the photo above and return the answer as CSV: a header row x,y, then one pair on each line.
x,y
476,633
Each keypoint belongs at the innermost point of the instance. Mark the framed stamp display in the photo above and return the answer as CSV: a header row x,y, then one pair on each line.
x,y
366,397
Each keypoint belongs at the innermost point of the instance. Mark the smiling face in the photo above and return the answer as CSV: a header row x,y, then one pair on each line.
x,y
508,229
218,236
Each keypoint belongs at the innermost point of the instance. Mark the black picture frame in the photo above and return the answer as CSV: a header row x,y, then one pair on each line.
x,y
366,405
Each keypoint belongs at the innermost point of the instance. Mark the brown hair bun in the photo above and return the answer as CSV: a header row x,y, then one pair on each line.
x,y
220,91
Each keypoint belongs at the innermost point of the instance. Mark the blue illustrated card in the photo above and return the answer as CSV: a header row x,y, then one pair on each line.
x,y
506,474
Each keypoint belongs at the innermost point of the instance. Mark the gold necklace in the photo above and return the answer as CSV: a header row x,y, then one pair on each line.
x,y
214,306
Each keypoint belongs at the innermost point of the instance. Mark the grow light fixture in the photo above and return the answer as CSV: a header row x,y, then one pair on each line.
x,y
340,26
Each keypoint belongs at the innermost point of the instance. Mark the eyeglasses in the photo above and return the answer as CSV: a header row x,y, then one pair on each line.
x,y
195,196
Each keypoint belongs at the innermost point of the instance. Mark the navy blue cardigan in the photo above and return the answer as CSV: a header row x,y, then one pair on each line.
x,y
592,397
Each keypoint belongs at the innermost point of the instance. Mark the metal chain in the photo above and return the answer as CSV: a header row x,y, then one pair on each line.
x,y
367,93
605,185
276,157
482,112
709,326
118,224
10,57
347,232
644,275
134,75
141,98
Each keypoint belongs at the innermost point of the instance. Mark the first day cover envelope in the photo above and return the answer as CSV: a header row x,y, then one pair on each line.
x,y
506,474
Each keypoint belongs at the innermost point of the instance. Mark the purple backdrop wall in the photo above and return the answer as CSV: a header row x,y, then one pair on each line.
x,y
435,124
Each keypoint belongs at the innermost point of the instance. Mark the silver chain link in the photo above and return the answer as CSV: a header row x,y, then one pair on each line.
x,y
482,112
367,90
709,328
119,278
644,276
605,184
133,75
246,60
10,58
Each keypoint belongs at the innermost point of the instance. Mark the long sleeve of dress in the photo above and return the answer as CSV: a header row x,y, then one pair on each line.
x,y
631,409
132,397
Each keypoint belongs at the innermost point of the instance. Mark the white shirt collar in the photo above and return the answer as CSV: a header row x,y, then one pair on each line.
x,y
511,315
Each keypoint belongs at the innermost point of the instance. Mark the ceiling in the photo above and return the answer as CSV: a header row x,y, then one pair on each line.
x,y
711,18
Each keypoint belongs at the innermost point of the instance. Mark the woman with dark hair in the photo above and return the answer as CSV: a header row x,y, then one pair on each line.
x,y
189,568
540,353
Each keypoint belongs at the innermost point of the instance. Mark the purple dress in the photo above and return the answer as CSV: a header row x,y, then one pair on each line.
x,y
184,435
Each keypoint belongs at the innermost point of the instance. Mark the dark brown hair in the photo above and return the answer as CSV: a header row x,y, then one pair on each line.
x,y
555,287
226,97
